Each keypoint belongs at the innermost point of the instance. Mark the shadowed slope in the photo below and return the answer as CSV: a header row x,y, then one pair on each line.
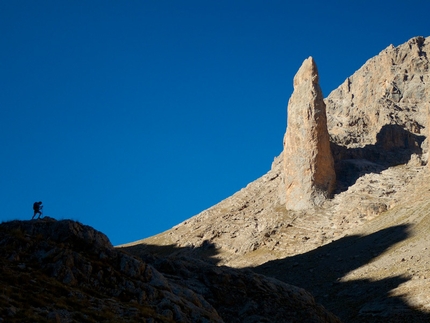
x,y
64,271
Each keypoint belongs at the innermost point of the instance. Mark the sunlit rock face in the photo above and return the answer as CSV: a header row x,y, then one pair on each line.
x,y
308,163
389,89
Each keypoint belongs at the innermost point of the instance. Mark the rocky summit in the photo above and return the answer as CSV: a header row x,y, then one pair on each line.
x,y
335,231
343,215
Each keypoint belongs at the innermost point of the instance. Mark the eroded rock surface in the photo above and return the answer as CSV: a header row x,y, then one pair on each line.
x,y
309,168
64,271
389,89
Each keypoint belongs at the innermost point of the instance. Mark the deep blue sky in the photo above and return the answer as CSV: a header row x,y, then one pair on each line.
x,y
132,116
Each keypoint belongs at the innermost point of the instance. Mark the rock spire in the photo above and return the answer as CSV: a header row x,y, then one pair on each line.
x,y
308,162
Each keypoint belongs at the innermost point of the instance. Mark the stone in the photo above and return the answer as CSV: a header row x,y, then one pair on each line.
x,y
309,173
127,287
64,258
389,89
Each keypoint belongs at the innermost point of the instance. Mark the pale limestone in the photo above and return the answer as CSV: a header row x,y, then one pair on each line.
x,y
309,168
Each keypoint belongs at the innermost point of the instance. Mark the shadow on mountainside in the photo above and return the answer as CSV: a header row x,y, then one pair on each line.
x,y
394,146
321,270
206,252
238,295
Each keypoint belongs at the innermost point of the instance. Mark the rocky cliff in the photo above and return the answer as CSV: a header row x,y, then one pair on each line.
x,y
363,252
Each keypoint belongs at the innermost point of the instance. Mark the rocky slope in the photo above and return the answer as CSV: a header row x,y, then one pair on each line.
x,y
364,252
63,271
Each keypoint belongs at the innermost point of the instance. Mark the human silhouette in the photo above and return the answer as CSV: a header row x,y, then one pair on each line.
x,y
37,208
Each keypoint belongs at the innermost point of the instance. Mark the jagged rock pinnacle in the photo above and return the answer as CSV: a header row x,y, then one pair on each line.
x,y
308,162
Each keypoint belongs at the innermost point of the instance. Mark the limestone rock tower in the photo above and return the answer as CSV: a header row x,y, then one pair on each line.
x,y
309,173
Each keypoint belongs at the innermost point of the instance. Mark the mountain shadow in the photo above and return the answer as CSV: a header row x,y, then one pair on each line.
x,y
64,271
394,146
238,295
321,270
207,252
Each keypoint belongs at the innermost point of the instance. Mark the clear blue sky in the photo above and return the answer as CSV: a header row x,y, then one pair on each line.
x,y
132,116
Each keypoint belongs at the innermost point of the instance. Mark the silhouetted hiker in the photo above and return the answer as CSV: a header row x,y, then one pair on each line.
x,y
37,207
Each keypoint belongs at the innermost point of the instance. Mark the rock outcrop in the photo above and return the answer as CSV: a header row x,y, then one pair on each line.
x,y
63,271
389,89
380,112
309,168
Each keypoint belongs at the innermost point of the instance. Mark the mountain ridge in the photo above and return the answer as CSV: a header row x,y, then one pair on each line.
x,y
378,122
